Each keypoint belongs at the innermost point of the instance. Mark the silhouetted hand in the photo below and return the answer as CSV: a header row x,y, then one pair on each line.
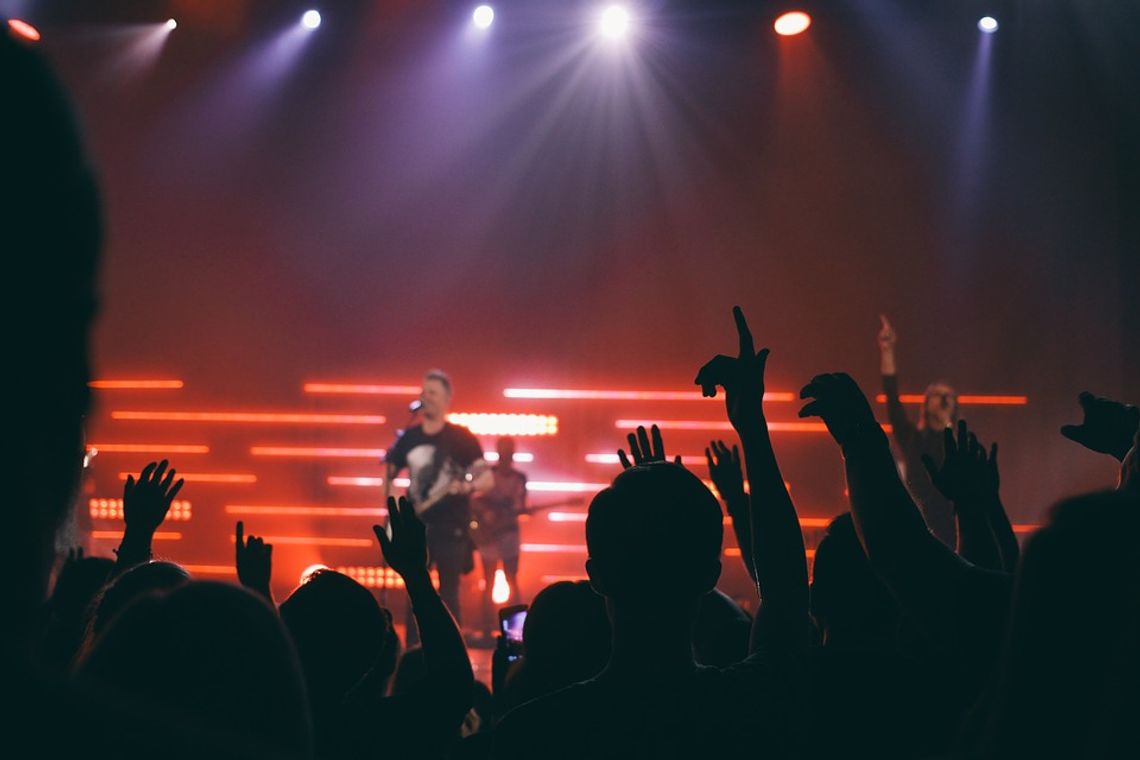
x,y
406,551
725,470
643,451
742,378
1107,428
147,500
838,400
254,561
967,477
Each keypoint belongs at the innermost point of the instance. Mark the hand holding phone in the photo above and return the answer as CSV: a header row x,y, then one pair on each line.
x,y
511,621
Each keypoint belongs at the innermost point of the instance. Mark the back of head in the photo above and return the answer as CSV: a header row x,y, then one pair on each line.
x,y
215,658
52,236
847,597
566,639
340,632
655,534
1075,588
141,580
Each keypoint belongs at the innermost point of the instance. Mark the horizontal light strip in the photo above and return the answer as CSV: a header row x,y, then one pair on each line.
x,y
161,535
148,448
207,477
140,385
363,389
580,517
379,577
734,551
584,394
300,509
548,579
563,486
918,398
553,548
112,509
481,423
316,452
520,456
613,459
316,541
775,427
364,482
255,417
1025,528
209,569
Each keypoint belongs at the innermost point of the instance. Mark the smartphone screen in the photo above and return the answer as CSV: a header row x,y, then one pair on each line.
x,y
511,621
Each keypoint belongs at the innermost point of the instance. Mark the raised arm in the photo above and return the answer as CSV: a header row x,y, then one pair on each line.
x,y
963,480
921,572
1107,428
145,504
780,567
999,520
253,559
447,689
903,429
726,474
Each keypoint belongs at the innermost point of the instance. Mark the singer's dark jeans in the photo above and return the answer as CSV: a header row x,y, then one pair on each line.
x,y
449,552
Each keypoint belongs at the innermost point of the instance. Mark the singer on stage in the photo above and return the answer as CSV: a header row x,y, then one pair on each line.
x,y
445,464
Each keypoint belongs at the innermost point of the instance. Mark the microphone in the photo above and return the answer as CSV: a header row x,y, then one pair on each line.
x,y
415,406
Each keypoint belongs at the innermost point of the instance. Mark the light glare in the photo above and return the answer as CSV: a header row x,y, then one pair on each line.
x,y
615,22
792,23
988,24
171,24
311,19
24,29
483,16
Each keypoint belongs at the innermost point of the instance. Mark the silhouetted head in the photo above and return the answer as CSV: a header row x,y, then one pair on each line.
x,y
209,656
654,535
76,589
52,237
154,577
848,601
340,631
566,639
939,407
1075,589
505,447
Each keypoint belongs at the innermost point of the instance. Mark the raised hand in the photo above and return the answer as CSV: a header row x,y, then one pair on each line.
x,y
406,551
1108,426
725,470
838,400
254,561
147,500
967,476
643,450
742,378
887,337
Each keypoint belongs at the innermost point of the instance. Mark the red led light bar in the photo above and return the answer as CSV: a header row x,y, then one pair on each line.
x,y
918,398
207,477
316,452
148,448
253,417
305,510
362,389
585,394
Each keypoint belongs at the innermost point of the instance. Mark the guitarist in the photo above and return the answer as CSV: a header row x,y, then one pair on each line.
x,y
445,465
496,525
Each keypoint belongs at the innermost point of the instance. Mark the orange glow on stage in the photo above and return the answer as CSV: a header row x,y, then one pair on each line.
x,y
364,481
136,385
500,590
207,477
316,452
362,389
227,570
506,424
564,486
253,417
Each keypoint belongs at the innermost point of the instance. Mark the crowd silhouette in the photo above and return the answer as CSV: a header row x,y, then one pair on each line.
x,y
906,644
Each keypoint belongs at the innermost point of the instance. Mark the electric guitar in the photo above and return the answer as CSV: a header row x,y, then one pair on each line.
x,y
488,525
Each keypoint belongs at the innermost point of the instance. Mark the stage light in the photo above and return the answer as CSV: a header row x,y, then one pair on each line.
x,y
483,16
308,573
988,24
311,19
171,24
615,22
24,30
500,589
792,23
